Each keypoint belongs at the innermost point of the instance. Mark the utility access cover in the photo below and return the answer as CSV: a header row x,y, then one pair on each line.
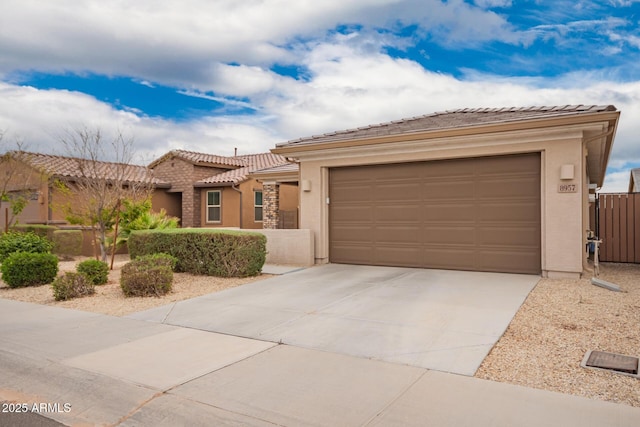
x,y
612,361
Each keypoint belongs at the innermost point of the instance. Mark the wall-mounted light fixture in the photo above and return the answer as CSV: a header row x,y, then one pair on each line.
x,y
306,185
566,172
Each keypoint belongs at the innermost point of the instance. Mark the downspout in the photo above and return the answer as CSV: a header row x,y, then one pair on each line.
x,y
233,186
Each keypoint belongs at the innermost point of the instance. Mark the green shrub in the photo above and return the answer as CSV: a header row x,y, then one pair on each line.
x,y
23,242
29,269
41,230
72,285
149,275
67,242
96,271
223,253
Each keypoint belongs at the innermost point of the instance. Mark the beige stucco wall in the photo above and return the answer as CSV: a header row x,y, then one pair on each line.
x,y
292,247
564,215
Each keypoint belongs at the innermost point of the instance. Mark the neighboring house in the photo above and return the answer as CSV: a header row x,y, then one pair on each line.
x,y
35,174
218,191
634,181
503,190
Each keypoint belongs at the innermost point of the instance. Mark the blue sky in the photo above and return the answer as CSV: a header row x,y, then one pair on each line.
x,y
215,75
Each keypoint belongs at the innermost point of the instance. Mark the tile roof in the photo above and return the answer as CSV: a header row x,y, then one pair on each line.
x,y
287,167
253,163
202,159
451,119
71,167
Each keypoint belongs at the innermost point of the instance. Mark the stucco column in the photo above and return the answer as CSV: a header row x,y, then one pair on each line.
x,y
270,205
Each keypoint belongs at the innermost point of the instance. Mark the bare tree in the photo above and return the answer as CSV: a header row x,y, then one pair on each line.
x,y
17,183
101,175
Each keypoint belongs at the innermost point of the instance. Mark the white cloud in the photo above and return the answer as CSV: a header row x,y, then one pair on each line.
x,y
493,3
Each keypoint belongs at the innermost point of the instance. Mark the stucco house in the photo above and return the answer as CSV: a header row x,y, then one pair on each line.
x,y
634,181
495,189
34,175
219,191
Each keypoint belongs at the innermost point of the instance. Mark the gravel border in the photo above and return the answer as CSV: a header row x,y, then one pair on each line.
x,y
555,327
109,298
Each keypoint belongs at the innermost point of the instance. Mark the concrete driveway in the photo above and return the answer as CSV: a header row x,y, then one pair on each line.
x,y
435,319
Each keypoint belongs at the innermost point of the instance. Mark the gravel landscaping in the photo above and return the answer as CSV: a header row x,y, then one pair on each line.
x,y
558,323
542,348
109,298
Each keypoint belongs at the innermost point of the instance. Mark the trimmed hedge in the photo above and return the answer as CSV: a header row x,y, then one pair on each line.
x,y
29,269
13,241
72,285
211,252
67,242
97,272
150,275
41,230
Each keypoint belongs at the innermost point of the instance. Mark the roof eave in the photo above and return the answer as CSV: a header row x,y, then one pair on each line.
x,y
524,124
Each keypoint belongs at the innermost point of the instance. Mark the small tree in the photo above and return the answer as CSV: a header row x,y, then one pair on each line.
x,y
138,216
102,176
17,183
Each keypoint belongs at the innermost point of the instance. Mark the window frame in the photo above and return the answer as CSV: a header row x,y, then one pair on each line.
x,y
219,206
256,206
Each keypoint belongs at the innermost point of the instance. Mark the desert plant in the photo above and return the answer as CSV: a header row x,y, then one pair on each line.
x,y
96,271
29,269
150,275
23,242
224,253
138,216
72,285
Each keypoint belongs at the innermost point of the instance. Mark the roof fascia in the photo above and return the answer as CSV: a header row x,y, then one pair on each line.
x,y
293,148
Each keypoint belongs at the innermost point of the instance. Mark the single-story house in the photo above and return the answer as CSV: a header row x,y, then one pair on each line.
x,y
219,191
634,181
494,189
33,175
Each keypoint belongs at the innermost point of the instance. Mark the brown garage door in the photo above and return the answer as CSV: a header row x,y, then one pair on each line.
x,y
466,214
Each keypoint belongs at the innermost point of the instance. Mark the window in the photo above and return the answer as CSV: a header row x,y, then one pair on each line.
x,y
257,205
213,206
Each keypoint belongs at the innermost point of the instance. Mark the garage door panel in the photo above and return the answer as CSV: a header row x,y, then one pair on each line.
x,y
398,234
398,255
397,192
354,213
355,193
449,259
354,235
468,214
507,187
448,212
519,211
350,254
518,260
449,234
505,236
442,191
399,213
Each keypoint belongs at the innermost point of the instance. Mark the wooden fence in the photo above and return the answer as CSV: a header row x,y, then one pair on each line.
x,y
619,227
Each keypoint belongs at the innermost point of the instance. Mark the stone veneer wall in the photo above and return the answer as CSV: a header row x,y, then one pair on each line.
x,y
270,206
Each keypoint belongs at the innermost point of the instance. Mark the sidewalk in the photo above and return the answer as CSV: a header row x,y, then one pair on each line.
x,y
119,371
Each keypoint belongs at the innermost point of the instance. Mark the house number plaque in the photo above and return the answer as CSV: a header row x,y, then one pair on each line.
x,y
567,188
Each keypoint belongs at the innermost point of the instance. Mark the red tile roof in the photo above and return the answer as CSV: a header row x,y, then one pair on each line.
x,y
451,119
253,163
71,167
202,159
